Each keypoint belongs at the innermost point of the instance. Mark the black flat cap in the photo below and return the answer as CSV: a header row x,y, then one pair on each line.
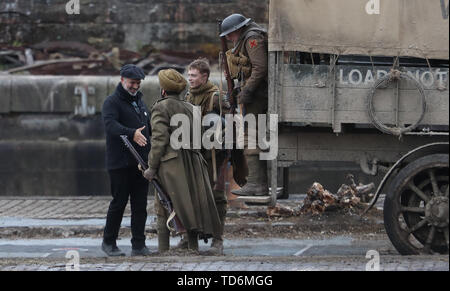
x,y
132,72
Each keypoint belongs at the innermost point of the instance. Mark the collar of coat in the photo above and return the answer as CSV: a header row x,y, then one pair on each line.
x,y
198,95
123,94
171,96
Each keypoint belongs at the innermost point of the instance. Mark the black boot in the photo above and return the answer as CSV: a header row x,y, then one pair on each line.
x,y
217,242
192,237
112,250
140,252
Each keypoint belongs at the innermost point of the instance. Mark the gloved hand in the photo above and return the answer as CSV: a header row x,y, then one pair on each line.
x,y
150,174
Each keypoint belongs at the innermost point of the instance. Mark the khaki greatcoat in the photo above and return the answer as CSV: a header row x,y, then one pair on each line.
x,y
182,173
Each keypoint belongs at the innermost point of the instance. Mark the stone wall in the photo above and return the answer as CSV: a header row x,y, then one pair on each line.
x,y
45,147
182,25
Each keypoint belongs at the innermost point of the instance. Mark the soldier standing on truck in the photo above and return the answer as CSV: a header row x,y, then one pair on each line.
x,y
248,63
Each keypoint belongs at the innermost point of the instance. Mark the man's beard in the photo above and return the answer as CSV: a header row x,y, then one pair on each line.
x,y
129,92
133,94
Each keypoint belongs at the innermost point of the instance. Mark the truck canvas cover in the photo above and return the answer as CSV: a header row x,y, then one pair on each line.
x,y
409,28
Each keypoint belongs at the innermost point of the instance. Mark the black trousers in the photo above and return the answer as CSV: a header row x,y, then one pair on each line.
x,y
127,182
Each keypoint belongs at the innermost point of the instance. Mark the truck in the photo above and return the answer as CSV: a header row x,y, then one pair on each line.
x,y
367,82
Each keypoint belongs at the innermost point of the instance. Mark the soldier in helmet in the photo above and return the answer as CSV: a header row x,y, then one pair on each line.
x,y
248,65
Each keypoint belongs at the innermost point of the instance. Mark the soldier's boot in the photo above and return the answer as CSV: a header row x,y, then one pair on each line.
x,y
217,242
182,244
192,237
163,234
257,178
216,247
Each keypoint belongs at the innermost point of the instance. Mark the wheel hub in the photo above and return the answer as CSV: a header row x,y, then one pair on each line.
x,y
436,211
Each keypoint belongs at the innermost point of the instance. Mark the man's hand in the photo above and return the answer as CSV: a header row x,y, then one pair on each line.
x,y
139,138
149,174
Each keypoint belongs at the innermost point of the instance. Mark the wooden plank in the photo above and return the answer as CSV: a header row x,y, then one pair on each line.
x,y
287,154
275,62
287,140
353,142
312,105
362,77
352,147
255,199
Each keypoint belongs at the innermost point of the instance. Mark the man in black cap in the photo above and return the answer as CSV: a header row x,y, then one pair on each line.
x,y
124,113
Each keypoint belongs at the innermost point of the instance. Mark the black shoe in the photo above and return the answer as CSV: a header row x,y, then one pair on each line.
x,y
140,252
112,250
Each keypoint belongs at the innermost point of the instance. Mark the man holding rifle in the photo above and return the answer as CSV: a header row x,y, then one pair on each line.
x,y
248,64
182,172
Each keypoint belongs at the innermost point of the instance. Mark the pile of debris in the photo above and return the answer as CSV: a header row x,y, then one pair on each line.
x,y
75,58
319,200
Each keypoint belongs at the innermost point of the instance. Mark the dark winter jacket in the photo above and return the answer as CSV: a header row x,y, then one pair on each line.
x,y
121,117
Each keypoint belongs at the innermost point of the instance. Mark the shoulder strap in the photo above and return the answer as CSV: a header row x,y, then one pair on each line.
x,y
211,101
187,96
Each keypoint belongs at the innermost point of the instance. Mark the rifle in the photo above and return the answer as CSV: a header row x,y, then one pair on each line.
x,y
230,82
236,156
162,195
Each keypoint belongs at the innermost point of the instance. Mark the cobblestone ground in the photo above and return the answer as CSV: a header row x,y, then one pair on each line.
x,y
58,207
96,207
259,264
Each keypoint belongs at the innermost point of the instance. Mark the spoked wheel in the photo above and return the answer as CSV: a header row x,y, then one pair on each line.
x,y
416,207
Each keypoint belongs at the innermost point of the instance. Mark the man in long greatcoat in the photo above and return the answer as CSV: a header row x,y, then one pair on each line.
x,y
182,172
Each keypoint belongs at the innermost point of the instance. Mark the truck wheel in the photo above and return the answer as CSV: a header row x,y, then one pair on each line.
x,y
416,207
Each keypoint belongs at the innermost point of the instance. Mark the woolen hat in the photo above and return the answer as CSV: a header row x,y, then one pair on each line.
x,y
172,81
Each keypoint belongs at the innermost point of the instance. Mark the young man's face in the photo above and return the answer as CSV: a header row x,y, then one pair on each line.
x,y
196,79
131,85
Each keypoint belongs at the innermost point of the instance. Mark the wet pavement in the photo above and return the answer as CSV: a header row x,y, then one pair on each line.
x,y
40,233
272,247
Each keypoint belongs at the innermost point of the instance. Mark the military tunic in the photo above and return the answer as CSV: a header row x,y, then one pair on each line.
x,y
250,57
202,97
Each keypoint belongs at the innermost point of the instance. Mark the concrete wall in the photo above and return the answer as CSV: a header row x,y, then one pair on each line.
x,y
49,147
183,25
49,143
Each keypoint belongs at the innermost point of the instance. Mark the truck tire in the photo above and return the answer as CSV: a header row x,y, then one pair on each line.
x,y
416,207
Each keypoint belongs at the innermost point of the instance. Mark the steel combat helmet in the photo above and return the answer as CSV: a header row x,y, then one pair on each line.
x,y
233,23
